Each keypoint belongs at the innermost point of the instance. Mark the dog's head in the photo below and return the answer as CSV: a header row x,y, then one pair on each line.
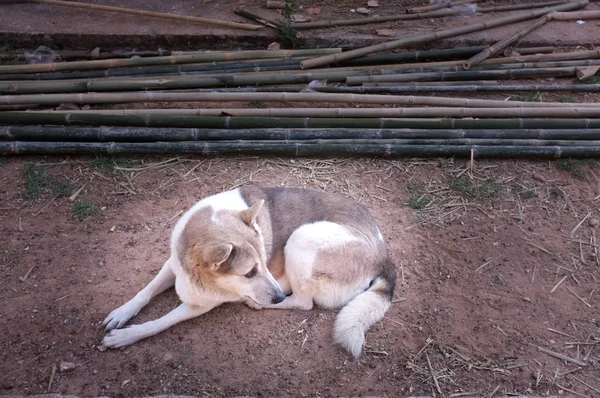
x,y
225,251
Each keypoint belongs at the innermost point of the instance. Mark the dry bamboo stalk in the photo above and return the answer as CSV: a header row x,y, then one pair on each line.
x,y
501,45
529,50
433,112
128,97
163,60
442,34
586,73
208,21
432,14
562,357
443,4
576,15
272,4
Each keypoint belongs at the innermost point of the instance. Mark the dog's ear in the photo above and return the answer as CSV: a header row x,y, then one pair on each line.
x,y
249,215
217,255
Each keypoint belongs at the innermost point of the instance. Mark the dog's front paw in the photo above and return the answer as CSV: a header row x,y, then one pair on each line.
x,y
119,317
253,304
121,337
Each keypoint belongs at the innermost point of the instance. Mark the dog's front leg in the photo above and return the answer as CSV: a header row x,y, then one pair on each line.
x,y
164,280
124,337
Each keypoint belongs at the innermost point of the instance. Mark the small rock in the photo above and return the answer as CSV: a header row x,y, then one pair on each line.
x,y
168,357
66,366
66,321
125,382
539,178
86,107
593,222
95,372
102,348
67,107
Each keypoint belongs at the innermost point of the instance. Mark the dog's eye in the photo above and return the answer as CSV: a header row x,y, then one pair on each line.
x,y
252,273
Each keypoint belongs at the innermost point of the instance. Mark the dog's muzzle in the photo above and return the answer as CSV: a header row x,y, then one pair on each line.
x,y
279,298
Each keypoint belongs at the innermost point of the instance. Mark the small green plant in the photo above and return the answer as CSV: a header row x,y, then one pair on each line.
x,y
412,186
3,160
83,209
524,192
258,104
291,6
63,188
487,189
107,164
531,97
567,98
574,167
556,193
592,80
36,181
418,202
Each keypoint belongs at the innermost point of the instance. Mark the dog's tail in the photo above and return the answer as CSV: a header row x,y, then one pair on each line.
x,y
364,310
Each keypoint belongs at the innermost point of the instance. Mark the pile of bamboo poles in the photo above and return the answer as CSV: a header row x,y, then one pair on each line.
x,y
387,119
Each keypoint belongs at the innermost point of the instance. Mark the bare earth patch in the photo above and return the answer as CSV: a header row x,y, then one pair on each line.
x,y
493,263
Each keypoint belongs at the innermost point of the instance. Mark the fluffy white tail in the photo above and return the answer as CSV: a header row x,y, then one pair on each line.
x,y
362,312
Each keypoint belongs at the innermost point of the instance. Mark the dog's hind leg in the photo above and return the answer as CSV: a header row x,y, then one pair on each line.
x,y
164,280
124,337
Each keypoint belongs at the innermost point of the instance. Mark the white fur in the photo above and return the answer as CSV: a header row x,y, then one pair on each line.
x,y
356,317
228,200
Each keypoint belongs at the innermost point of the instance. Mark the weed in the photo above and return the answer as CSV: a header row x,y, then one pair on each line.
x,y
36,181
556,193
567,98
63,188
107,164
531,97
258,104
524,192
412,186
488,189
574,167
291,6
418,202
83,209
592,80
287,36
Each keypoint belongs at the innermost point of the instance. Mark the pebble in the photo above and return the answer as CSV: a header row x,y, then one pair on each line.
x,y
593,222
66,322
102,348
95,372
539,178
66,366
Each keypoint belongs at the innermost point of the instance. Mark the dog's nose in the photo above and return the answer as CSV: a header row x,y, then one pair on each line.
x,y
278,299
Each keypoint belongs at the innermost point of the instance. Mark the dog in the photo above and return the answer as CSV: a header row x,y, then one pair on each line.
x,y
283,248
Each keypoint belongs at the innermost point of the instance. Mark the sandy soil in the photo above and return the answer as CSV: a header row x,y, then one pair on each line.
x,y
474,301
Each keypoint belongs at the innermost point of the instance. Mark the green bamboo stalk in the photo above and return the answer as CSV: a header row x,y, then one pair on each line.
x,y
467,75
187,18
471,88
294,148
128,97
146,134
425,15
164,60
443,34
502,44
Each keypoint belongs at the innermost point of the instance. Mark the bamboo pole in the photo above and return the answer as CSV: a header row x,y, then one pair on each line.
x,y
380,118
295,117
150,134
425,15
586,73
263,21
442,34
502,44
374,88
576,15
163,60
296,148
466,75
529,50
143,13
192,81
443,4
128,97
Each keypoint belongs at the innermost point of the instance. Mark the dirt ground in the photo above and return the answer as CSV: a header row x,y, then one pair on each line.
x,y
30,24
494,260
